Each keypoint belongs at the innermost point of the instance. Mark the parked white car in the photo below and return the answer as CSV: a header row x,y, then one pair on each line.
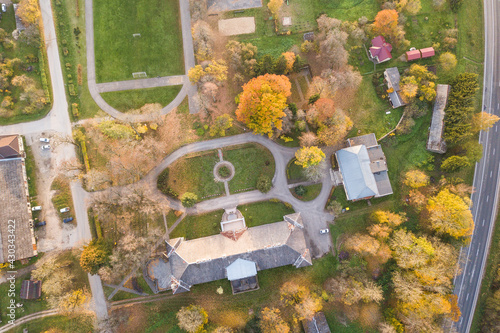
x,y
46,140
64,210
324,231
45,147
4,7
35,208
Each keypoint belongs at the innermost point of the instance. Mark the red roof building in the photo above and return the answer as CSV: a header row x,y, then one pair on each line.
x,y
412,55
380,51
427,52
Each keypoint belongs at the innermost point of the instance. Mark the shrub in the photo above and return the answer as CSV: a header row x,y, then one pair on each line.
x,y
334,207
300,190
162,185
264,183
74,110
454,163
189,199
224,171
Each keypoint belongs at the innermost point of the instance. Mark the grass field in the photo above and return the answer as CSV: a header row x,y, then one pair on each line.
x,y
59,323
294,172
70,29
128,100
369,112
196,226
30,306
258,213
312,191
195,174
158,51
250,161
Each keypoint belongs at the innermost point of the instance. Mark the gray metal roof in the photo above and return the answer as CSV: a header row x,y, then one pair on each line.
x,y
435,142
392,76
383,183
241,269
354,164
369,140
267,246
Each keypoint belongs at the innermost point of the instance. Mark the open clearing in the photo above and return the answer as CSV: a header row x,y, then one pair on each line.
x,y
237,26
127,100
158,49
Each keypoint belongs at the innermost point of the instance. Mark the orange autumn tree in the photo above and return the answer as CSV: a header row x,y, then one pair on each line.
x,y
262,103
386,23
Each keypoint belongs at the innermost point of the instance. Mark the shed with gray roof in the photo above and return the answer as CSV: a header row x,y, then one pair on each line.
x,y
392,78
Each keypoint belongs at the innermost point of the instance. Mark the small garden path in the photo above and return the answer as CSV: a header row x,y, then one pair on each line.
x,y
313,212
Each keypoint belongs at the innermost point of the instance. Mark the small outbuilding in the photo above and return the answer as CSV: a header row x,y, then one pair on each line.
x,y
413,55
316,324
31,289
392,77
436,143
427,52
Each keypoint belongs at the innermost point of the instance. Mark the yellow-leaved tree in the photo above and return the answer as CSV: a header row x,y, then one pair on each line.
x,y
274,6
416,178
450,214
262,102
28,11
309,156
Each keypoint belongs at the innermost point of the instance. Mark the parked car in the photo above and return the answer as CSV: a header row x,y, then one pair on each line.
x,y
40,224
35,208
324,231
4,7
64,210
69,219
46,140
45,147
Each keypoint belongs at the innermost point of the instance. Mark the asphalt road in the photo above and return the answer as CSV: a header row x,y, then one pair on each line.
x,y
486,178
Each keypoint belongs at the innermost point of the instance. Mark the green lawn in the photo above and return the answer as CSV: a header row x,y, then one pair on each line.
x,y
70,29
59,323
128,100
8,22
312,191
158,51
195,174
264,212
250,161
208,224
294,172
30,306
369,112
196,226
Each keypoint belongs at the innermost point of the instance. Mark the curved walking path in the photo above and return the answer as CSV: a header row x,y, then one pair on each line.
x,y
313,213
188,89
25,319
